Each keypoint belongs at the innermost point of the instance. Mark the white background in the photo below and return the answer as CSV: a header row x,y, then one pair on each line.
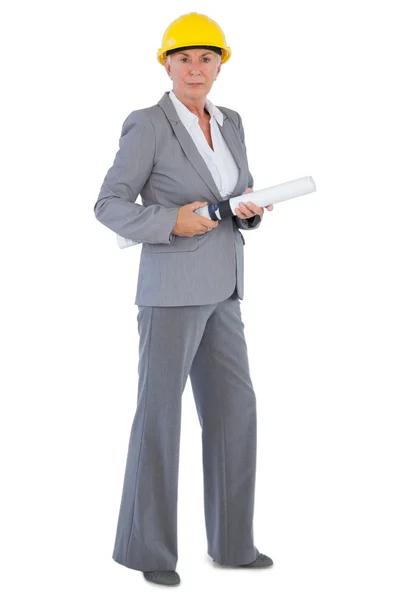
x,y
315,84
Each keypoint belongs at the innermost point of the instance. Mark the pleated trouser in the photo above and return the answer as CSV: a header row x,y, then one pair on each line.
x,y
208,343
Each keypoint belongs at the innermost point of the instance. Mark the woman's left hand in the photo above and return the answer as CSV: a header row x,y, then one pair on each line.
x,y
249,209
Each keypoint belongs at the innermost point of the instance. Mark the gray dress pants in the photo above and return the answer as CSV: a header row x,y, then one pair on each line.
x,y
208,343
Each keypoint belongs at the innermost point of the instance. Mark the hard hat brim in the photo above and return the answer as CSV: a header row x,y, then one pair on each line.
x,y
162,54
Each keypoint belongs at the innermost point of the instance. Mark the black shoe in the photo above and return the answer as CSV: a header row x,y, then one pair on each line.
x,y
162,577
261,561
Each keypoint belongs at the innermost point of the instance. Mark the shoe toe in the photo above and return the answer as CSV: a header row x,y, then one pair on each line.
x,y
261,561
162,577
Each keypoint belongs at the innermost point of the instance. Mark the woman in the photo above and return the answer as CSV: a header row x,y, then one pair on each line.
x,y
180,154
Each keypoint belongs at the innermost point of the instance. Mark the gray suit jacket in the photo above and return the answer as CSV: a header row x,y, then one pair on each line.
x,y
158,159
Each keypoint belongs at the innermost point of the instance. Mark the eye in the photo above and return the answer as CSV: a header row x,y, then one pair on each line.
x,y
205,58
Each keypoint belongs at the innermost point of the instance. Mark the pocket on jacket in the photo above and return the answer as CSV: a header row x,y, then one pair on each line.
x,y
179,244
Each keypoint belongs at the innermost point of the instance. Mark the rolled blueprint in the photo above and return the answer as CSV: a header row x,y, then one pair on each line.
x,y
125,242
263,197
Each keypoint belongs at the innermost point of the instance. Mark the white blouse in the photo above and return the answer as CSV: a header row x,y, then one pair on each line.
x,y
219,161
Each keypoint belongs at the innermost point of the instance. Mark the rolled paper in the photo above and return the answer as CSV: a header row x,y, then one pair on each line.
x,y
125,242
264,197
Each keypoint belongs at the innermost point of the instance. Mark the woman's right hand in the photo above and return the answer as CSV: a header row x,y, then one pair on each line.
x,y
189,224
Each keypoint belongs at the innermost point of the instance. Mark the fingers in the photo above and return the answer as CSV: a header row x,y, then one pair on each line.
x,y
208,222
245,210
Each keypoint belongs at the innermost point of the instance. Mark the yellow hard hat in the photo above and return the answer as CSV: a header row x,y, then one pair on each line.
x,y
191,30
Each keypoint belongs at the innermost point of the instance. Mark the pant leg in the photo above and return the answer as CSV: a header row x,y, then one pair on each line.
x,y
146,537
226,405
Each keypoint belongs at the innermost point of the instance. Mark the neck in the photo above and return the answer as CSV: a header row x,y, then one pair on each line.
x,y
195,105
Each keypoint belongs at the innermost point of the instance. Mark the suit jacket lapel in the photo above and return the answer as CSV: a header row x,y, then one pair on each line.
x,y
191,151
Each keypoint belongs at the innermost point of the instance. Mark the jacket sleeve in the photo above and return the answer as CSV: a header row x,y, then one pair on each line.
x,y
252,222
116,206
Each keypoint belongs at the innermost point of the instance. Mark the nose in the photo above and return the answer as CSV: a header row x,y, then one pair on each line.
x,y
195,66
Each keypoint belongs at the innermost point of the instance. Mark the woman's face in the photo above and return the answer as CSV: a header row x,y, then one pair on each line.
x,y
193,66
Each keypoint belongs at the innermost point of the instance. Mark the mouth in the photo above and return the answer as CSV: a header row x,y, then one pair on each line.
x,y
195,84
